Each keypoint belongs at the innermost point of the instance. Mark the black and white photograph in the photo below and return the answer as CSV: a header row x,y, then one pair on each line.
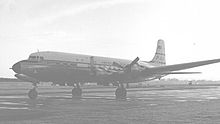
x,y
109,62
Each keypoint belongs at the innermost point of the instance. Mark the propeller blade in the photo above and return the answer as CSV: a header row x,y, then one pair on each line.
x,y
128,67
134,61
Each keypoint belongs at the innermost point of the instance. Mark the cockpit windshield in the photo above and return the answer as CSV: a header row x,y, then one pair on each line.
x,y
35,58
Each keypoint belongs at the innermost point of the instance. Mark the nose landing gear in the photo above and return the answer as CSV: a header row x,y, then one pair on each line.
x,y
32,94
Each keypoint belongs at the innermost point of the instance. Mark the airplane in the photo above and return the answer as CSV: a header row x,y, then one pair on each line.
x,y
73,69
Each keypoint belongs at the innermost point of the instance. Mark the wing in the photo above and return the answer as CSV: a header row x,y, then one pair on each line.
x,y
170,68
181,73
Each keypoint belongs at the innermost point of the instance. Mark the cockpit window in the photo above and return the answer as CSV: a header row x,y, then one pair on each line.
x,y
32,57
35,58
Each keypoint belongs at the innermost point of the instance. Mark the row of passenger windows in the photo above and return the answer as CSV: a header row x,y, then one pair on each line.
x,y
80,60
40,58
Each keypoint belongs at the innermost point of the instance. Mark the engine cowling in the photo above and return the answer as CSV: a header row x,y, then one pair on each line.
x,y
26,78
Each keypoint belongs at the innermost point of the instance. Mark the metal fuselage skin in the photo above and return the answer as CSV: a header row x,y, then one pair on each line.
x,y
63,68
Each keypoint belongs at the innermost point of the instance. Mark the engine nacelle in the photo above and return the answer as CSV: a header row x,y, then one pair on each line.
x,y
26,78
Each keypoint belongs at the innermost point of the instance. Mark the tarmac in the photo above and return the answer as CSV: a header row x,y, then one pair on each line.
x,y
171,104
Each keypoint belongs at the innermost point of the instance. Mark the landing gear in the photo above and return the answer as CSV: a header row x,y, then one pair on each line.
x,y
121,92
76,91
32,94
127,85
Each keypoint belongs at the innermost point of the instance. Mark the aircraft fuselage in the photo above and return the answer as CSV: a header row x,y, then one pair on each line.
x,y
77,68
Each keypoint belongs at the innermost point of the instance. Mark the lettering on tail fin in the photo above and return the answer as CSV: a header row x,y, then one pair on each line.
x,y
159,57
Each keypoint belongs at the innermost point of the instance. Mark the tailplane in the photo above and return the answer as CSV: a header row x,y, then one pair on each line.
x,y
159,57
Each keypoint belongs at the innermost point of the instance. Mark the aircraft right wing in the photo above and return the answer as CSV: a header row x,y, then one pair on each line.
x,y
176,67
181,72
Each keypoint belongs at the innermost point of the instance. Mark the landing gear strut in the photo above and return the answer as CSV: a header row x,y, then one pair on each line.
x,y
121,92
32,94
76,91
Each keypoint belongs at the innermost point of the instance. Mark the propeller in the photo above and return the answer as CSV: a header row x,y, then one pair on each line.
x,y
128,67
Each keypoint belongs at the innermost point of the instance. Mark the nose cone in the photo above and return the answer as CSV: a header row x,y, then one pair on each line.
x,y
17,67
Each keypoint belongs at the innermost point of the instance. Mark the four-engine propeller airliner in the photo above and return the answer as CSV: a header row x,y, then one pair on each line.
x,y
73,69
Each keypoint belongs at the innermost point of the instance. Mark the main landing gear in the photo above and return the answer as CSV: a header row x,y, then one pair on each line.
x,y
32,94
76,91
121,92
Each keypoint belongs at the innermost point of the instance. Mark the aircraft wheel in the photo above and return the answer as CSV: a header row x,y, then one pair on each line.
x,y
121,93
32,94
76,92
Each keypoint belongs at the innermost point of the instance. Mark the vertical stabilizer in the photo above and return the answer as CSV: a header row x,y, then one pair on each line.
x,y
159,57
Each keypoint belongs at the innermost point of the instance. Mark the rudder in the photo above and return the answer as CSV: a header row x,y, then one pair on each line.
x,y
159,57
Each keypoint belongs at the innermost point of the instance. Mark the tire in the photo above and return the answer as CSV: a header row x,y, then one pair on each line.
x,y
76,92
121,93
32,94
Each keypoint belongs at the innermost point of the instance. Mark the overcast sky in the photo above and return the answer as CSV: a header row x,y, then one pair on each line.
x,y
113,28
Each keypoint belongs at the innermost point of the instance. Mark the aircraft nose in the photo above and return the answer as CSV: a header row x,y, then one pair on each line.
x,y
17,67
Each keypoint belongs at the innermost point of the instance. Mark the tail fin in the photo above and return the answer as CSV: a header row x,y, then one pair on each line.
x,y
159,57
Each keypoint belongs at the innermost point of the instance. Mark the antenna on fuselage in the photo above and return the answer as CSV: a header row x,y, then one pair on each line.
x,y
38,57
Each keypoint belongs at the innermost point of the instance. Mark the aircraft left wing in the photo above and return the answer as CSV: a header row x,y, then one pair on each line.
x,y
168,69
